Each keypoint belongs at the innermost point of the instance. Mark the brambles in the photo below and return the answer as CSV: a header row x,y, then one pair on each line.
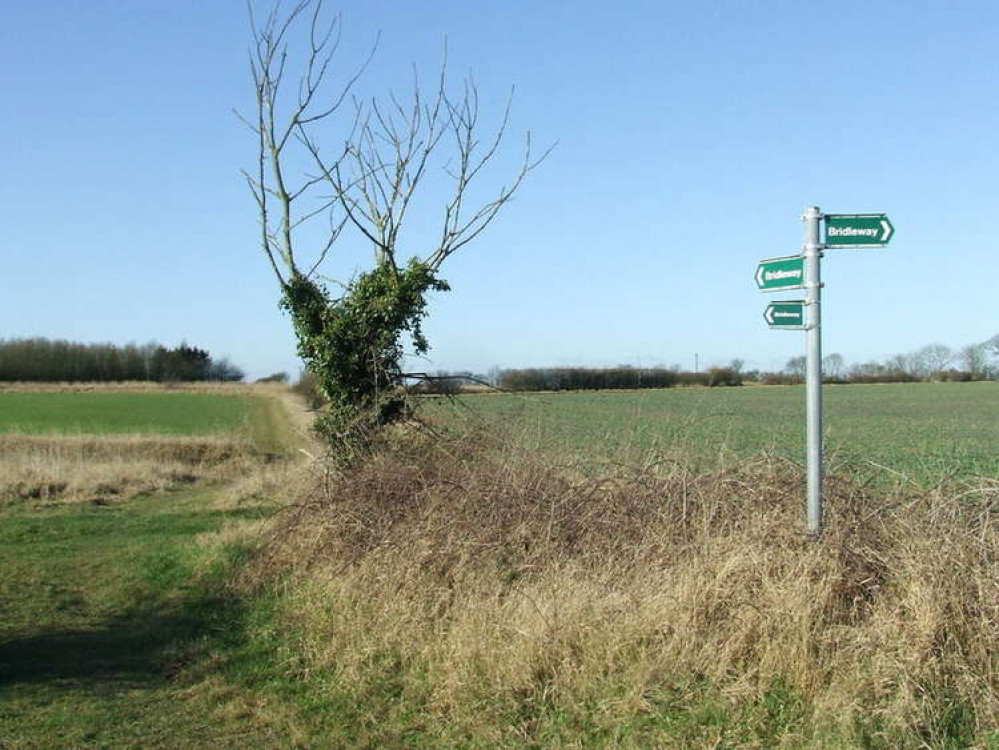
x,y
507,600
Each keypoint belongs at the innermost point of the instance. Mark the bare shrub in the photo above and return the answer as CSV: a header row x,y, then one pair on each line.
x,y
503,579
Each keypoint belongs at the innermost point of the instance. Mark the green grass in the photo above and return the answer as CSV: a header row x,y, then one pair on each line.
x,y
113,617
924,431
117,630
151,413
100,608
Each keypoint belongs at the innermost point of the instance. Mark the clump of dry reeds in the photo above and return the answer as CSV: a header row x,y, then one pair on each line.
x,y
502,579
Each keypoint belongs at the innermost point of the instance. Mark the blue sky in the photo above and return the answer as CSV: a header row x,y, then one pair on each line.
x,y
690,137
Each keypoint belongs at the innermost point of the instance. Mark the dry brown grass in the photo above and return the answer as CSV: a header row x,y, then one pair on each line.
x,y
142,387
106,468
501,580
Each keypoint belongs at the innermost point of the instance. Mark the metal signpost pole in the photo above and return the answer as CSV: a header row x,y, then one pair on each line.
x,y
802,272
813,382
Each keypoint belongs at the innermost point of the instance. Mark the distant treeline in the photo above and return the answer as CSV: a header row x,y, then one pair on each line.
x,y
933,362
581,378
611,378
974,364
43,360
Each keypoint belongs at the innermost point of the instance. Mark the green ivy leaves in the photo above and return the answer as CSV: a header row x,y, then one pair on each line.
x,y
354,344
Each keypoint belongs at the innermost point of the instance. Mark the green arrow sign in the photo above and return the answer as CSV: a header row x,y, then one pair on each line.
x,y
858,230
789,314
781,273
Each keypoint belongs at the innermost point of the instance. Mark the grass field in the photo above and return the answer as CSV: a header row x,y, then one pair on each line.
x,y
926,432
161,413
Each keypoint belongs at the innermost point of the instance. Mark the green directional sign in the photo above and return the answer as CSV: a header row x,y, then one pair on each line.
x,y
858,230
781,273
789,314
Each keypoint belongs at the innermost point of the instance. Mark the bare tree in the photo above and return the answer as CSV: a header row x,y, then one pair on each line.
x,y
796,366
974,358
363,183
833,365
902,364
368,178
932,359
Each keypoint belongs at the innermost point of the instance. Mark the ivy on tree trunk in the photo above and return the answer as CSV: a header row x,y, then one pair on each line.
x,y
354,344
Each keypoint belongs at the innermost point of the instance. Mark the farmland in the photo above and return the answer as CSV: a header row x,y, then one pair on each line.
x,y
593,569
113,443
113,412
918,431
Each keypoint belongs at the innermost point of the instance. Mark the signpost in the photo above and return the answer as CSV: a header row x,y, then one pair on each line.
x,y
787,314
858,230
813,370
803,272
781,273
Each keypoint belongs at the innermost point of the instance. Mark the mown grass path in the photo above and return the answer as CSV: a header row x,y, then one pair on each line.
x,y
104,608
99,606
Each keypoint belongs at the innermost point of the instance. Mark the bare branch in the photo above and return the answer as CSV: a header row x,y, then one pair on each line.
x,y
376,172
275,190
335,230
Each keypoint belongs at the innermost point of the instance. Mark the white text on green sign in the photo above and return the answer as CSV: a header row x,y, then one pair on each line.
x,y
780,273
858,230
788,314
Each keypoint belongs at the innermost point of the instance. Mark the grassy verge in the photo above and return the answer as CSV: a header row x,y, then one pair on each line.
x,y
179,438
42,470
474,595
100,608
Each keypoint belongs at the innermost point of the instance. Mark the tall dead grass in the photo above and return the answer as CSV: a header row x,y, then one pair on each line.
x,y
503,587
106,468
141,386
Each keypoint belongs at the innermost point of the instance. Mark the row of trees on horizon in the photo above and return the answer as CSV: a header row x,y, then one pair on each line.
x,y
979,361
44,360
932,362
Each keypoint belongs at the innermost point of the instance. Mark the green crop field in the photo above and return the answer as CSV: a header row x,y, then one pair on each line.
x,y
161,412
924,431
